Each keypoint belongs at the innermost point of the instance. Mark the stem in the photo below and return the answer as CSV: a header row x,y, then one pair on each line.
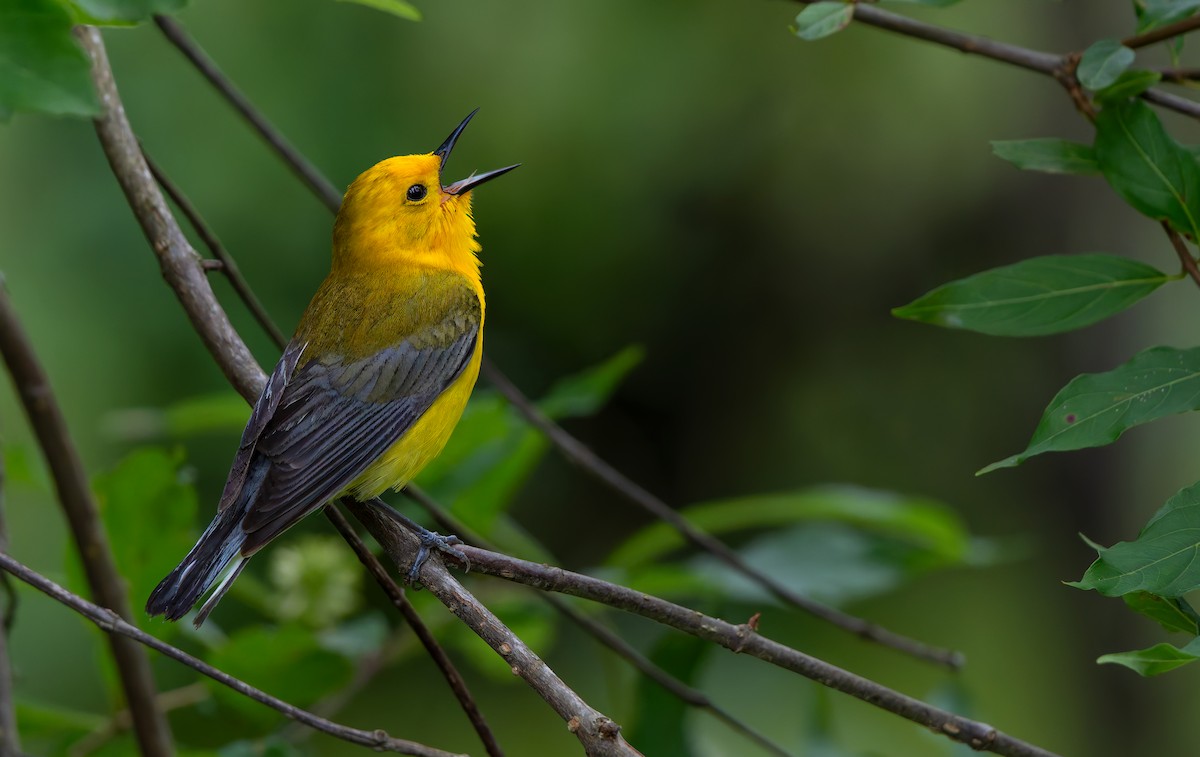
x,y
1163,33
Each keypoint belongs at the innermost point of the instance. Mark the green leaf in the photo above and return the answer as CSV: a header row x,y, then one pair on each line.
x,y
1048,155
1129,84
1151,171
42,67
1172,613
1163,558
1102,63
1039,296
1158,659
123,12
398,8
149,512
287,661
1096,408
924,522
821,19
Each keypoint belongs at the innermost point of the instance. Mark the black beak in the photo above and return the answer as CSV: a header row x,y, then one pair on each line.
x,y
474,180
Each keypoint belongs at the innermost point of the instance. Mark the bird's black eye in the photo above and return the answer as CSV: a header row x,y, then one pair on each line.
x,y
416,192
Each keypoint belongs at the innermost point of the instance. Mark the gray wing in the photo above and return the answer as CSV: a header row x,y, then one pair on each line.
x,y
333,418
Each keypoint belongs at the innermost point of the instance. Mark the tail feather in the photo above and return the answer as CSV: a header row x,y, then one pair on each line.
x,y
220,545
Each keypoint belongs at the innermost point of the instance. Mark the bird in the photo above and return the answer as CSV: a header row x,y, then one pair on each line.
x,y
372,383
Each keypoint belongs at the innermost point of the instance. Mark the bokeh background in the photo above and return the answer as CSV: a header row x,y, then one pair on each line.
x,y
746,206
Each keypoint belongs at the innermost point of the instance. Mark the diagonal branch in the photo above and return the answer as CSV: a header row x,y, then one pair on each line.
x,y
564,442
183,272
745,639
400,601
115,627
91,541
395,593
688,695
1163,33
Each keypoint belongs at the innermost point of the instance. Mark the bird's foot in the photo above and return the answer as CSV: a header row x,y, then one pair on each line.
x,y
433,541
429,541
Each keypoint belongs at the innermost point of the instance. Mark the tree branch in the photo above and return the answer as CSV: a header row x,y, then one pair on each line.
x,y
1015,55
744,639
1163,33
115,627
396,594
688,695
182,270
91,541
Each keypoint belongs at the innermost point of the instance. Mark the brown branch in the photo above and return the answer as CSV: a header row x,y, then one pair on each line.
x,y
183,272
91,541
229,267
114,626
396,594
576,452
1015,55
10,740
598,734
1181,249
688,695
320,186
1163,33
743,639
1179,75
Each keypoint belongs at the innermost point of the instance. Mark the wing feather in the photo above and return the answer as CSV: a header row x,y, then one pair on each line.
x,y
334,417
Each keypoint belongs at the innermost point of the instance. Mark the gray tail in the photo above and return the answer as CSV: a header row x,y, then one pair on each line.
x,y
219,547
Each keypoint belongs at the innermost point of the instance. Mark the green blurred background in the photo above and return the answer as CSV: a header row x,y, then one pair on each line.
x,y
746,206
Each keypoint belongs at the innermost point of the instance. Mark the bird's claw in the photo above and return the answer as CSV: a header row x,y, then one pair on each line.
x,y
433,541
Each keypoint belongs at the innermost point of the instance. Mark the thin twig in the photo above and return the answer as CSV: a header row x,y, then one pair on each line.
x,y
575,451
567,444
1163,33
1022,57
688,695
743,639
1179,75
1181,249
87,530
242,288
10,740
113,625
183,272
228,265
400,601
321,187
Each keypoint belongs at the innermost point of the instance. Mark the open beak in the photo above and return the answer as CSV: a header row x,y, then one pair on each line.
x,y
474,180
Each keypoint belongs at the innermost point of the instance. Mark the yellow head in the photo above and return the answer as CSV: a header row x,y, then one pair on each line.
x,y
398,211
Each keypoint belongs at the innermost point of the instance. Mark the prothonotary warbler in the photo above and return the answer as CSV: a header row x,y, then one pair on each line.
x,y
374,380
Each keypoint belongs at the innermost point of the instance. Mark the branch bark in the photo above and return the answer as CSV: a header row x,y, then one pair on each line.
x,y
91,541
116,628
